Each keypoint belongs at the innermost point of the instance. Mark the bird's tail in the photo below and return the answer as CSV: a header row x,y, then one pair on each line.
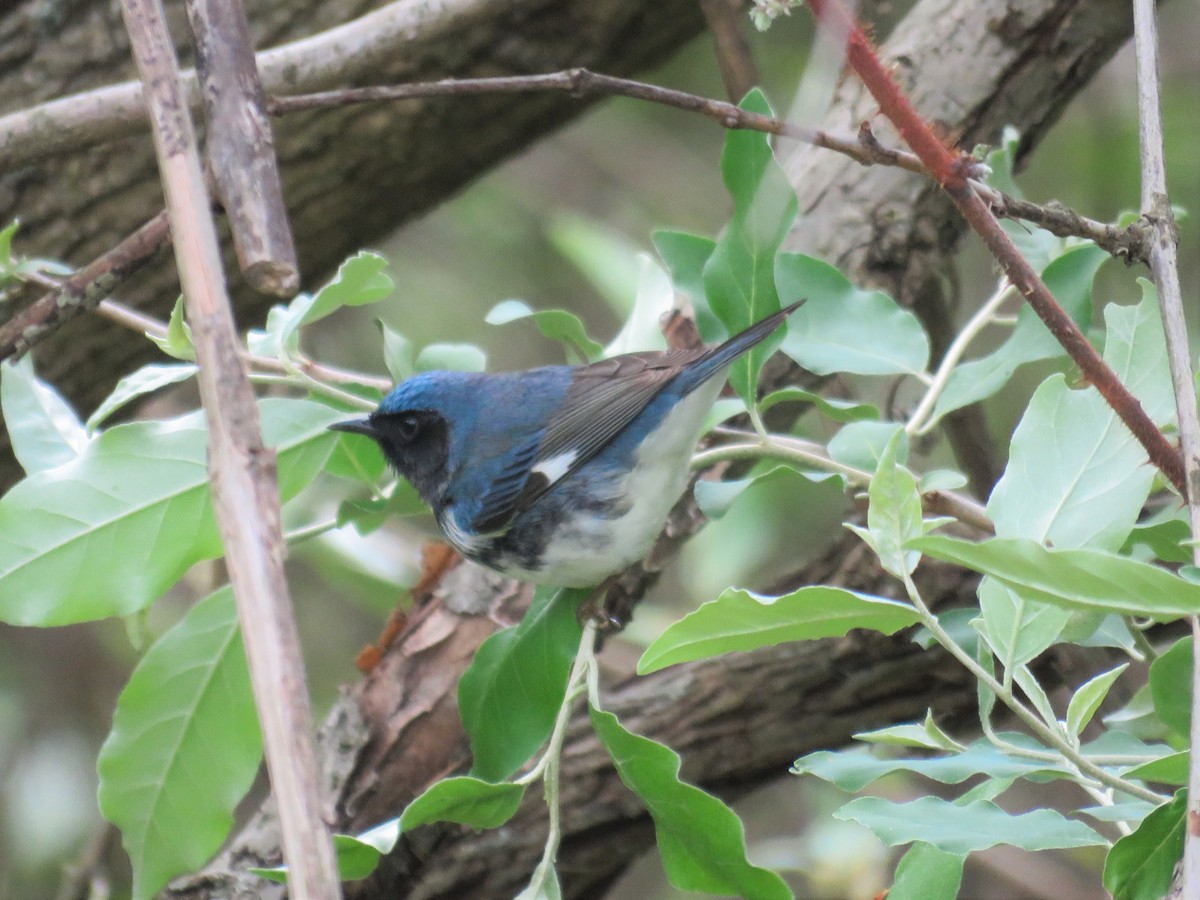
x,y
723,355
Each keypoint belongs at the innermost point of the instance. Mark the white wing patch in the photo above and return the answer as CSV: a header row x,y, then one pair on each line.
x,y
556,467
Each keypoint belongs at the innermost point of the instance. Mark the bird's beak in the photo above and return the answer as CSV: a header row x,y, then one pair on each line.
x,y
356,426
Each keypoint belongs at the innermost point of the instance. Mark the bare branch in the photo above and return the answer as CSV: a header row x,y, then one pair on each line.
x,y
241,147
241,469
727,22
1156,210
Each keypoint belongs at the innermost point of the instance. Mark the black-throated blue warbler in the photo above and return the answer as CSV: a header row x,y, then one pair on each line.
x,y
561,475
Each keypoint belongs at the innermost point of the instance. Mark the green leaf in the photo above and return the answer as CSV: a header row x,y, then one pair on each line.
x,y
359,281
454,357
685,256
1076,476
42,427
355,858
145,380
178,342
108,533
465,800
844,329
7,233
1069,279
1081,579
397,353
356,459
894,515
1171,687
511,694
830,407
1141,866
1017,629
855,768
960,829
184,747
741,620
1169,769
700,839
927,736
861,444
368,515
927,873
1088,698
739,276
556,324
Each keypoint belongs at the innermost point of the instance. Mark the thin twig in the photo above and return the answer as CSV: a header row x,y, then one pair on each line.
x,y
950,171
1156,210
85,289
241,470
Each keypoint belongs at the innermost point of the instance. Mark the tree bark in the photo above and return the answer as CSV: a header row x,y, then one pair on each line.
x,y
739,720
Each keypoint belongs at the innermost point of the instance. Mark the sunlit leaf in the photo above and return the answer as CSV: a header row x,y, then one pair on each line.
x,y
556,324
106,534
1088,698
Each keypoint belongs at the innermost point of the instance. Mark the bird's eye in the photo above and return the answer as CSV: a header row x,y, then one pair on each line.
x,y
407,427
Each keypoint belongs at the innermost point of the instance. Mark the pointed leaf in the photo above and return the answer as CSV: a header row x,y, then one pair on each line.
x,y
145,380
894,515
685,256
184,748
465,800
741,620
178,341
739,277
1088,698
1081,579
511,694
360,280
700,839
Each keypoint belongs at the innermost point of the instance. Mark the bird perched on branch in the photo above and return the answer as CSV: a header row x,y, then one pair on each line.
x,y
562,475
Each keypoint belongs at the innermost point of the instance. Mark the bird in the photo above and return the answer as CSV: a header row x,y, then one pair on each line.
x,y
560,475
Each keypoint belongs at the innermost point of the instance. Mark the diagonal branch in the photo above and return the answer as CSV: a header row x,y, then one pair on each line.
x,y
949,169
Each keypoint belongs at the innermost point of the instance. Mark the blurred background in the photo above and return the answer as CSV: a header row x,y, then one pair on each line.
x,y
562,226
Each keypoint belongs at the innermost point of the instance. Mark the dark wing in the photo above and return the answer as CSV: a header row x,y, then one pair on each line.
x,y
602,400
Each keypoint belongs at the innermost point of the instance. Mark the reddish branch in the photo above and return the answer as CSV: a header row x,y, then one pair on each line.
x,y
949,168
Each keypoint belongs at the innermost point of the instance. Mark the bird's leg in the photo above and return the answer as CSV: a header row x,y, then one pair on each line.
x,y
609,606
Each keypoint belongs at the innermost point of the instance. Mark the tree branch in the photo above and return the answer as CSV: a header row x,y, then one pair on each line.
x,y
241,469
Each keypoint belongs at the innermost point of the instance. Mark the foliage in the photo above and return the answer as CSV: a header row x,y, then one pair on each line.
x,y
109,517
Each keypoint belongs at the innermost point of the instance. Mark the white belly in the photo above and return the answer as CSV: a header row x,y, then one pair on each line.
x,y
654,486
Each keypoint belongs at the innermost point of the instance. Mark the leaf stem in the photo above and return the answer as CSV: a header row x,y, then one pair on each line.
x,y
922,420
1082,764
548,768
